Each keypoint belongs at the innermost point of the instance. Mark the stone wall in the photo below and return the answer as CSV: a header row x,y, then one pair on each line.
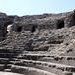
x,y
4,22
53,21
35,22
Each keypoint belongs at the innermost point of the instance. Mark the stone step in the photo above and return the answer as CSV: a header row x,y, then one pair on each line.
x,y
31,56
67,60
29,70
62,67
16,52
7,70
2,67
8,73
9,51
7,61
8,55
5,50
3,60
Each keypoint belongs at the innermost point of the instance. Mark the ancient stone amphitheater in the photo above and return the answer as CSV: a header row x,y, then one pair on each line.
x,y
38,44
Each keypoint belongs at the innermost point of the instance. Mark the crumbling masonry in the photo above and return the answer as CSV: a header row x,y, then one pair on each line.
x,y
38,44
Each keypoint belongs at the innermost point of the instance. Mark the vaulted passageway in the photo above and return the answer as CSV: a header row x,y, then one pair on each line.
x,y
60,24
73,20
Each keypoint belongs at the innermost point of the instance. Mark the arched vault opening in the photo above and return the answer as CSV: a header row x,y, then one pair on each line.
x,y
60,24
73,20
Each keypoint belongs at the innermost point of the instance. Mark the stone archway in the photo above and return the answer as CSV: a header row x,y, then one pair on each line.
x,y
19,29
60,24
73,20
33,28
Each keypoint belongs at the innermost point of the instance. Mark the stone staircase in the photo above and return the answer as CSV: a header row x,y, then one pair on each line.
x,y
11,61
36,62
57,65
6,56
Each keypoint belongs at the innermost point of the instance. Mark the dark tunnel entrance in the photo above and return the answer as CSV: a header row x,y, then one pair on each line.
x,y
19,28
60,24
73,20
33,28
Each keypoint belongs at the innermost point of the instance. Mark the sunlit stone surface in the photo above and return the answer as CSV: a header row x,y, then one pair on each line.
x,y
8,73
